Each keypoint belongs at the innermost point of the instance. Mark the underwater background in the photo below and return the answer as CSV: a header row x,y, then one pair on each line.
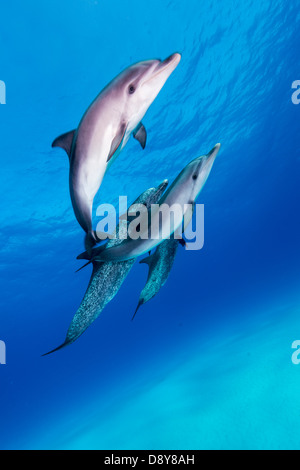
x,y
207,363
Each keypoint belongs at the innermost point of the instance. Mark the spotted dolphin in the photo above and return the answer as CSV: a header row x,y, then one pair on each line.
x,y
105,129
160,264
107,278
183,193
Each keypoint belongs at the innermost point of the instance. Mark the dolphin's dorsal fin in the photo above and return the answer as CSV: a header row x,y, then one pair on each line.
x,y
147,260
140,134
65,141
117,141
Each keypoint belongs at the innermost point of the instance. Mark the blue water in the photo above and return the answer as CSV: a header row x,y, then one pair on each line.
x,y
207,363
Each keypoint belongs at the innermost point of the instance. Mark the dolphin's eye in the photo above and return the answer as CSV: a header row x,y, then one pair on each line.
x,y
131,89
195,177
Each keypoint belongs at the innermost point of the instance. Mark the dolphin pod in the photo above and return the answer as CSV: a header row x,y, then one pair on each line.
x,y
102,133
105,129
183,193
106,278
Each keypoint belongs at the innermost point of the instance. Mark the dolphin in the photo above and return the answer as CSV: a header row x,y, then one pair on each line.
x,y
183,193
160,264
107,278
105,129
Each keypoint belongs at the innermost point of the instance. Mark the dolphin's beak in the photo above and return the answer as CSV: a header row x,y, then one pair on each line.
x,y
164,184
214,152
173,60
164,69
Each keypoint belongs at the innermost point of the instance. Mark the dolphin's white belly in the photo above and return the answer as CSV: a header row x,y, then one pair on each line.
x,y
89,177
96,133
95,154
88,166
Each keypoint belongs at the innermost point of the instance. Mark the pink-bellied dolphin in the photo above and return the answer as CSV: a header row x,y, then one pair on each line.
x,y
106,278
182,193
104,130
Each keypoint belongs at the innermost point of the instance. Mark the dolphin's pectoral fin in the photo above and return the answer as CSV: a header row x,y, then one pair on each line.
x,y
95,251
66,343
65,141
83,256
84,266
140,134
182,242
147,260
117,141
95,263
139,305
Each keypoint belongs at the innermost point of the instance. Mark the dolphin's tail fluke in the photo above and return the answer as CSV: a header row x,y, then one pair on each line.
x,y
90,241
139,305
66,343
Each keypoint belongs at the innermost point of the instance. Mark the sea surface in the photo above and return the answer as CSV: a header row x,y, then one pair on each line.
x,y
207,363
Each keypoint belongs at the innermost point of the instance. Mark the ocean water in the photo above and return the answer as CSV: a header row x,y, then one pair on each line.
x,y
207,363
